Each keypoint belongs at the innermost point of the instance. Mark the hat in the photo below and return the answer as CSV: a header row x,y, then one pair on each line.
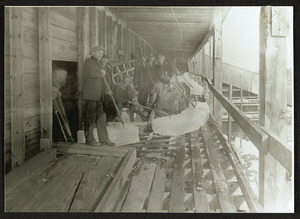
x,y
105,56
97,48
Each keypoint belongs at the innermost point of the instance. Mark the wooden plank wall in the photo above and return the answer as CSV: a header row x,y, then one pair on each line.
x,y
65,46
63,29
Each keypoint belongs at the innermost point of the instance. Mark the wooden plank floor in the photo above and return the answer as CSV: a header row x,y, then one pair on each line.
x,y
189,173
70,183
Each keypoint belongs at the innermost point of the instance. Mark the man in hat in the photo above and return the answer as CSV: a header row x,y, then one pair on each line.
x,y
93,90
142,78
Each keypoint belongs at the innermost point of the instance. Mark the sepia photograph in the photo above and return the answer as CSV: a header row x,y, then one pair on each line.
x,y
166,109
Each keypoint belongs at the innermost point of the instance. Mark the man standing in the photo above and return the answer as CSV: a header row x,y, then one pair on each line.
x,y
142,78
93,90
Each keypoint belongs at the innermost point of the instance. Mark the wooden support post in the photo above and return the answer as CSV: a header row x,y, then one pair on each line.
x,y
203,70
273,100
114,40
120,42
102,28
109,31
241,131
217,63
128,44
229,117
93,26
82,53
210,71
45,65
16,85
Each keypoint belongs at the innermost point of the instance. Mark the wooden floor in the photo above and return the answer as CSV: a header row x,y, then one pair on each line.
x,y
190,173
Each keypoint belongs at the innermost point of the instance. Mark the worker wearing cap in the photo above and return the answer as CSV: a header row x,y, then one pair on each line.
x,y
93,90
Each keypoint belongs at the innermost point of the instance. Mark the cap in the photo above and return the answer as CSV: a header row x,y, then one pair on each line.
x,y
97,48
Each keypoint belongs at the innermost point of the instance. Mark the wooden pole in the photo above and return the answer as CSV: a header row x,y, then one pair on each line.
x,y
16,86
82,53
45,65
102,28
217,63
274,27
229,117
109,31
93,27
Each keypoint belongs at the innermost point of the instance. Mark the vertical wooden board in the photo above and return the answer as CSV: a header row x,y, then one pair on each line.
x,y
219,179
111,195
93,26
30,19
140,188
88,191
102,28
128,45
31,80
61,21
114,41
16,85
177,191
45,68
157,191
109,33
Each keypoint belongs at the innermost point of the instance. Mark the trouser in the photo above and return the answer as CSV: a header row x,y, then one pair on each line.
x,y
93,114
143,95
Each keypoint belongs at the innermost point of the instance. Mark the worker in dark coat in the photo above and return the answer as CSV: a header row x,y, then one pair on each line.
x,y
93,90
172,69
142,80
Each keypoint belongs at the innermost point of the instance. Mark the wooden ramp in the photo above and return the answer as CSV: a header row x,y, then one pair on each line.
x,y
80,179
195,172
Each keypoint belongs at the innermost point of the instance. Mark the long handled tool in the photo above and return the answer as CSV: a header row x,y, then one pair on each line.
x,y
151,109
61,111
194,105
61,126
113,99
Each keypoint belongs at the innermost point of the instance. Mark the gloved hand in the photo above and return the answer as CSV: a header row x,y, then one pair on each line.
x,y
103,73
134,101
109,92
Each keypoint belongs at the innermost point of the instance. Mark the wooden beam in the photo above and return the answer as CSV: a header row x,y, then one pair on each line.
x,y
163,9
16,86
90,150
82,53
45,67
272,99
128,44
110,198
217,112
93,26
102,28
120,42
109,34
255,134
162,24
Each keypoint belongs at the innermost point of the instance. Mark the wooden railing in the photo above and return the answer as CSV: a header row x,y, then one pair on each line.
x,y
264,140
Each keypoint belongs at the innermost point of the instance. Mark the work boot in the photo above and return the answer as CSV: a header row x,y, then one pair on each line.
x,y
108,143
94,143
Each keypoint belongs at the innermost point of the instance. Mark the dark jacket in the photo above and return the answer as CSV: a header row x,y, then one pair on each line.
x,y
160,74
93,86
142,76
123,94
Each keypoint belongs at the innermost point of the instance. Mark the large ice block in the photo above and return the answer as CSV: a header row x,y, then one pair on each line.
x,y
189,120
121,135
